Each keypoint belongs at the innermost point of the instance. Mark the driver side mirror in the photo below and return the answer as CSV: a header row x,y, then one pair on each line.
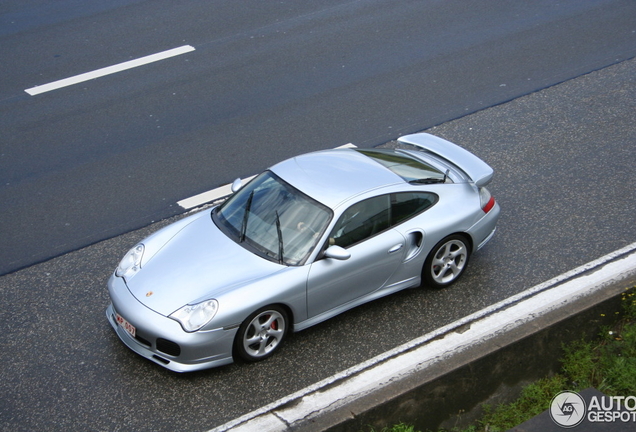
x,y
337,253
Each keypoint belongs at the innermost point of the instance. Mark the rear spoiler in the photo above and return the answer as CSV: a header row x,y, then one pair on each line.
x,y
479,171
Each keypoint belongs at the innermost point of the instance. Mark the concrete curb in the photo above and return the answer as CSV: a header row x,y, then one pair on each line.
x,y
339,398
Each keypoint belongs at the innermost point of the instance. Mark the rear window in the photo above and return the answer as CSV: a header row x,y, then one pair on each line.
x,y
410,169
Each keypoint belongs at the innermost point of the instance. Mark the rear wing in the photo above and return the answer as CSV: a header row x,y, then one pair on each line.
x,y
479,171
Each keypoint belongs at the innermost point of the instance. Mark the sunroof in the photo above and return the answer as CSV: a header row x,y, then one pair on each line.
x,y
410,169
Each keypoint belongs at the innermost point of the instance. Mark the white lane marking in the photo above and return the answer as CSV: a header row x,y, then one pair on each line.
x,y
209,196
109,70
222,191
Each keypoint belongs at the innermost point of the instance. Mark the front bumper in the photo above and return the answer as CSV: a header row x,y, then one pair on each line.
x,y
161,339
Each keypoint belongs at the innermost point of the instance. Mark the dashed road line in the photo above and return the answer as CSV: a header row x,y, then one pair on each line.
x,y
109,70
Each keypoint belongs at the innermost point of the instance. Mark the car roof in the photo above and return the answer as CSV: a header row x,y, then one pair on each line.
x,y
333,176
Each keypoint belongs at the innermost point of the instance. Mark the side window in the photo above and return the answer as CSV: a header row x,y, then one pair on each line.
x,y
405,205
361,221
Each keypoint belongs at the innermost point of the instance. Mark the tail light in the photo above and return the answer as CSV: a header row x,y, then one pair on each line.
x,y
486,200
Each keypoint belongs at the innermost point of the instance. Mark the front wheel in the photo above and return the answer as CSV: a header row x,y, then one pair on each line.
x,y
261,334
446,262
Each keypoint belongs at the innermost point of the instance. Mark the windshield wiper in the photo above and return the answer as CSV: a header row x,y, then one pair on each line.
x,y
428,181
431,180
280,239
248,206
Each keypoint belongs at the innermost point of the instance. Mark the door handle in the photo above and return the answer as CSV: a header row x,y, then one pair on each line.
x,y
396,248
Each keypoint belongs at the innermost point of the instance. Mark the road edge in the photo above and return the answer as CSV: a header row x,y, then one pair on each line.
x,y
339,398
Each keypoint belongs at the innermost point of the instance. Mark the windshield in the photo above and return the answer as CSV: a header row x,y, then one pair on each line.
x,y
281,223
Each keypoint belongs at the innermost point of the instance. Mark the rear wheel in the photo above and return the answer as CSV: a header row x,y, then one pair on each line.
x,y
261,334
446,262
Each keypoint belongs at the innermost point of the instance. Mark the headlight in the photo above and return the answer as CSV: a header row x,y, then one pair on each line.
x,y
130,263
193,317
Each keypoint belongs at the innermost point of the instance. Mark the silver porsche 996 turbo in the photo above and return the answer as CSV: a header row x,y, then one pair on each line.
x,y
310,238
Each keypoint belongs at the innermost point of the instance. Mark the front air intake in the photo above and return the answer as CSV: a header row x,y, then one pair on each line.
x,y
168,347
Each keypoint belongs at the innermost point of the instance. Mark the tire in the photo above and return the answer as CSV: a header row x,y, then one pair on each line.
x,y
446,262
261,334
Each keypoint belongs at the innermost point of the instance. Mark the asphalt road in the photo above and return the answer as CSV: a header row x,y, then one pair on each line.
x,y
564,178
266,80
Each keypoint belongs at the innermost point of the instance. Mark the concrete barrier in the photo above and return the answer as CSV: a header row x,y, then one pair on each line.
x,y
441,379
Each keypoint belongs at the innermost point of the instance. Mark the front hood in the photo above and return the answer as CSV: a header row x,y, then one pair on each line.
x,y
198,263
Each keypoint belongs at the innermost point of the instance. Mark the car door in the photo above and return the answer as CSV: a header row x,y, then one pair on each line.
x,y
376,252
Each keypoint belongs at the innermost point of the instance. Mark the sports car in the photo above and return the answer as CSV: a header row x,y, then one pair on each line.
x,y
309,238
